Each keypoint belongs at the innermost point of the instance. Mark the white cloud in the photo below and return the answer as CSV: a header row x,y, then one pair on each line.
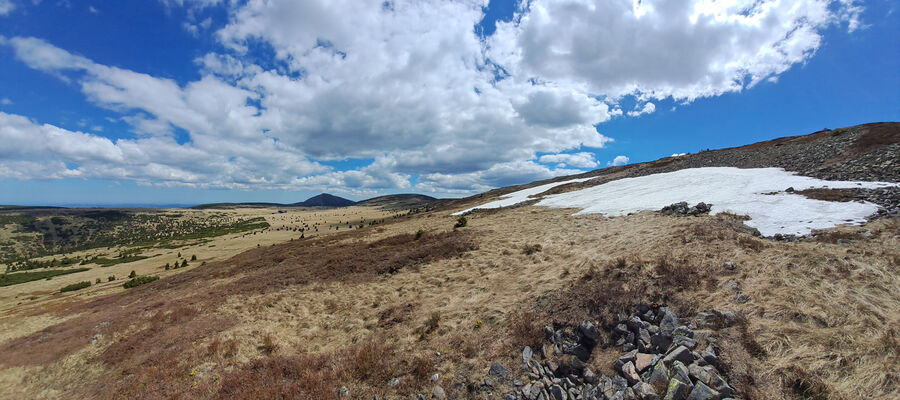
x,y
619,160
577,160
5,101
6,7
413,87
647,109
665,48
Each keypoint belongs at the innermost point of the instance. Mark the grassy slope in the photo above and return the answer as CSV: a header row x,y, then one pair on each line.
x,y
22,277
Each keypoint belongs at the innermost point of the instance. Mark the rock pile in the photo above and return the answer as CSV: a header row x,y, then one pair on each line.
x,y
662,359
681,209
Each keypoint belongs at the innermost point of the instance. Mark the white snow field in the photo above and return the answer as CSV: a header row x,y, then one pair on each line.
x,y
734,190
521,196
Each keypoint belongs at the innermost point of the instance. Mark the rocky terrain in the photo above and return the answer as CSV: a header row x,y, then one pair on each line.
x,y
520,303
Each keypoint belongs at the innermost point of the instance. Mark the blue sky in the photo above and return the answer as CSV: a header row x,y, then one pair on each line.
x,y
193,101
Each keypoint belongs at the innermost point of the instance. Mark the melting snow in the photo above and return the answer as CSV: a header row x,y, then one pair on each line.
x,y
734,190
520,196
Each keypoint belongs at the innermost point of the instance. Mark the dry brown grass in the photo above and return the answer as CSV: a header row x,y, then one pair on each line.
x,y
329,303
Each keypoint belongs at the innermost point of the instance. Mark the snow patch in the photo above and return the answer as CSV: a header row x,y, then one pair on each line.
x,y
520,196
733,190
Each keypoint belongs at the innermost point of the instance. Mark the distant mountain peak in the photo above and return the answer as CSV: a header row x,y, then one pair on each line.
x,y
325,200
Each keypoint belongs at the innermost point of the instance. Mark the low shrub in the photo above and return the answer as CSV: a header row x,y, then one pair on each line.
x,y
461,222
530,249
75,286
138,281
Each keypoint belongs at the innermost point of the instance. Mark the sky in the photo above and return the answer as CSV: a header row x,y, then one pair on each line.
x,y
197,101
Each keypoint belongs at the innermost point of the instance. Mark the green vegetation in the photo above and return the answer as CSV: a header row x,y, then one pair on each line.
x,y
138,281
75,286
107,262
22,277
72,230
15,219
461,222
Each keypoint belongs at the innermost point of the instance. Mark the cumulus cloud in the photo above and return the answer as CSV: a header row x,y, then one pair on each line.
x,y
576,160
6,7
665,48
619,160
5,101
411,85
646,109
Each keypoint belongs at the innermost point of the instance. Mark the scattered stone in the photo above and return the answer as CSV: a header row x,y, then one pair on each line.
x,y
394,382
729,266
435,377
527,353
659,378
344,392
558,393
741,298
438,393
499,371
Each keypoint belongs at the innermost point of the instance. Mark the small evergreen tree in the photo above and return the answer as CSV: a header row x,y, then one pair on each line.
x,y
132,274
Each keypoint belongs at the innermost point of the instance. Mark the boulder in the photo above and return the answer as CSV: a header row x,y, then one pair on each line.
x,y
703,392
642,361
629,372
679,353
438,393
677,390
659,377
497,370
643,391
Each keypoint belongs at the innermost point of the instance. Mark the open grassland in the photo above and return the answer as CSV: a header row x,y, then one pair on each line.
x,y
150,259
413,297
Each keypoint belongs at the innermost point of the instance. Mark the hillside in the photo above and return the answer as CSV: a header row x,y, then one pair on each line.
x,y
399,201
325,200
526,301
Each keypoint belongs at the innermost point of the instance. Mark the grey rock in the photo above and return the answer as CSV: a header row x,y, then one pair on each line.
x,y
683,330
661,342
659,378
394,382
344,392
438,393
435,377
488,382
669,321
741,298
709,355
679,353
728,265
420,396
589,376
677,390
589,332
629,372
498,371
644,391
684,341
621,329
510,396
643,361
680,371
732,285
624,359
557,393
527,353
703,392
